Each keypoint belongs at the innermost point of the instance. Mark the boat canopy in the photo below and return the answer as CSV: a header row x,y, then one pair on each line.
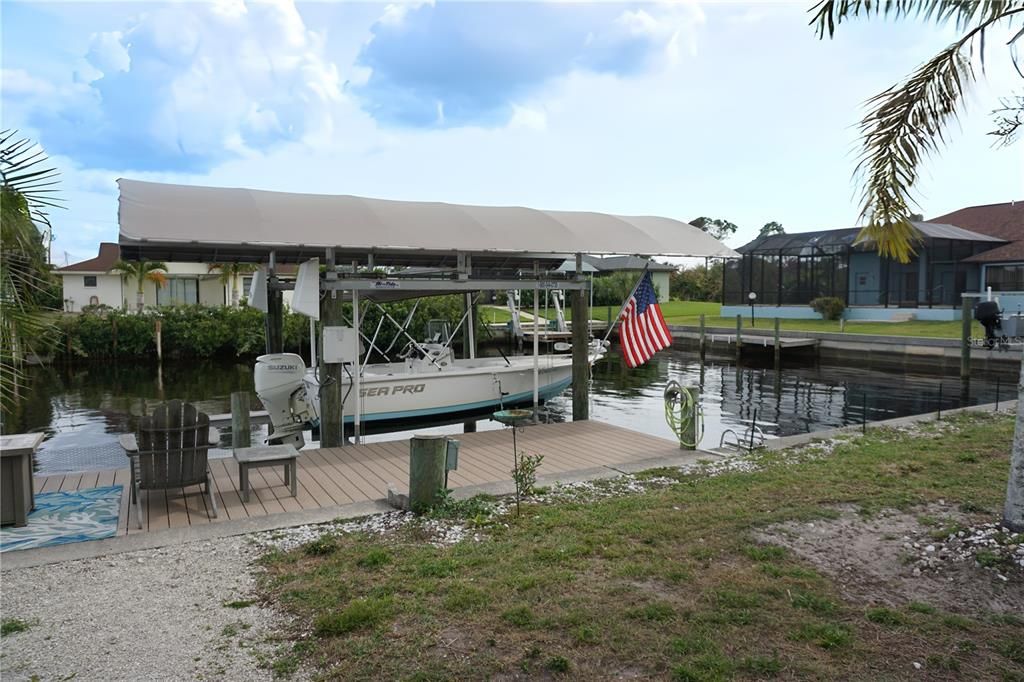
x,y
187,223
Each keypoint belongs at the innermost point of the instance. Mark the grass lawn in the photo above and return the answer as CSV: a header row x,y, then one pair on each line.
x,y
689,312
668,584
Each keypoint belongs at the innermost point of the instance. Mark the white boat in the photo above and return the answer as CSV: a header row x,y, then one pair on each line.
x,y
431,383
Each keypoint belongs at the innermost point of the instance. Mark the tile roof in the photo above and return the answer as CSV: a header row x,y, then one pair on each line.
x,y
1003,221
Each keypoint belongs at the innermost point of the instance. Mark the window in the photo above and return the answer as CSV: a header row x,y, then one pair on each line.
x,y
178,291
90,280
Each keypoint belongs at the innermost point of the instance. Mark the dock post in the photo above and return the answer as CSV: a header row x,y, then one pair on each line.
x,y
739,337
701,343
332,431
580,352
778,346
688,434
241,436
275,310
965,338
427,457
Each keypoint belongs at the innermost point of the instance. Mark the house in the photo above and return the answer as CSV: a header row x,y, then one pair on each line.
x,y
960,253
635,265
95,282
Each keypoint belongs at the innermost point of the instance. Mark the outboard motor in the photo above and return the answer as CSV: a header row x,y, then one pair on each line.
x,y
281,389
991,318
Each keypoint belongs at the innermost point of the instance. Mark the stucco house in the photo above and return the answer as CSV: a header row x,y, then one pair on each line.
x,y
963,252
94,282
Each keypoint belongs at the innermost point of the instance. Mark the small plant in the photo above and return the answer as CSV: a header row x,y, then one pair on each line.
x,y
11,625
829,307
375,558
239,604
558,664
524,473
322,546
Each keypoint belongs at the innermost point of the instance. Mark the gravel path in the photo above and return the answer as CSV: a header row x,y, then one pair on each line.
x,y
154,614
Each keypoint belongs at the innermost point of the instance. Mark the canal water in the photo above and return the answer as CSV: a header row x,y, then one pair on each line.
x,y
83,409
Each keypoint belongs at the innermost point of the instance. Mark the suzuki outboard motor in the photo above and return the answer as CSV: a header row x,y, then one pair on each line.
x,y
280,387
991,318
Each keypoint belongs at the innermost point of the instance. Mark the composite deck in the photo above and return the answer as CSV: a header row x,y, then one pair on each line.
x,y
336,476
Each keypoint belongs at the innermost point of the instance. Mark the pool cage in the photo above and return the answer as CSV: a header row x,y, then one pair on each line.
x,y
794,269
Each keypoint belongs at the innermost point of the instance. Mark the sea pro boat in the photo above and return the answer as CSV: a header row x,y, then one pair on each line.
x,y
428,383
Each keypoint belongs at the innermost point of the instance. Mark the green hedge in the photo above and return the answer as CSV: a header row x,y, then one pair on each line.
x,y
202,332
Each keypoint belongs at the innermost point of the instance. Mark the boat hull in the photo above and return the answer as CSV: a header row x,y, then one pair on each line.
x,y
391,395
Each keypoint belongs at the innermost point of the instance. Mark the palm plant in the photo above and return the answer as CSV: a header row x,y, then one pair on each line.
x,y
906,123
229,274
27,188
142,271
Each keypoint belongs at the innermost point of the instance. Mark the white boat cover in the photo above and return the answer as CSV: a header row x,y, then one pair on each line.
x,y
156,213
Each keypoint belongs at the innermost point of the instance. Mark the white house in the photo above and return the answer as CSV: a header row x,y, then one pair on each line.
x,y
635,265
94,282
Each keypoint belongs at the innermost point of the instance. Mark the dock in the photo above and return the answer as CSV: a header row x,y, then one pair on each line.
x,y
333,477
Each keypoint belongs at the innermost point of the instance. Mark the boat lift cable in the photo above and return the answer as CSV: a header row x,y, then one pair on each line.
x,y
681,410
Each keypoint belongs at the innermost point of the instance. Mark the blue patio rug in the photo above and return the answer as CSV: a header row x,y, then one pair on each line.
x,y
60,518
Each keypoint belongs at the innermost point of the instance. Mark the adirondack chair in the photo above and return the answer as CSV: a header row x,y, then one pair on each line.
x,y
169,451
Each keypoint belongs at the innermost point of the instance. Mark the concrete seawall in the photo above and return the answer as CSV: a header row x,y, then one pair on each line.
x,y
908,352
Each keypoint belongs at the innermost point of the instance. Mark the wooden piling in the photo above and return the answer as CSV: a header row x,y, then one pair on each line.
x,y
778,346
739,337
688,437
331,413
241,436
702,342
965,338
427,457
580,350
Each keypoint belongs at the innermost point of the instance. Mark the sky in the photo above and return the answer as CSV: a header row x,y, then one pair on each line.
x,y
682,109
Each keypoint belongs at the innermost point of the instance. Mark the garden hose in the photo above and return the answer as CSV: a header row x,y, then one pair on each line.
x,y
682,409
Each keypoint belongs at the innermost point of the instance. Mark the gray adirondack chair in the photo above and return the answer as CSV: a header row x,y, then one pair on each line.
x,y
169,451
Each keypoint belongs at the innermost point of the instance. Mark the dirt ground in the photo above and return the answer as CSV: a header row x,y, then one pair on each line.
x,y
895,557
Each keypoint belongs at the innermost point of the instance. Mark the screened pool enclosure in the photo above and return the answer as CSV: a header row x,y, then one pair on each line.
x,y
794,269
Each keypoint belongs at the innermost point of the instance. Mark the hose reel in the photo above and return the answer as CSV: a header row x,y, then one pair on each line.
x,y
683,414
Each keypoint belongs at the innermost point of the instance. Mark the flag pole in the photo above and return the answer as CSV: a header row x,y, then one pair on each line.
x,y
618,317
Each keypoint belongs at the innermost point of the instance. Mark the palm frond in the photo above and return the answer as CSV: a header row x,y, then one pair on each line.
x,y
23,170
830,13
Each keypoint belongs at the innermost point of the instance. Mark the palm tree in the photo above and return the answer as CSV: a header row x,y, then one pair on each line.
x,y
26,194
906,123
142,271
229,273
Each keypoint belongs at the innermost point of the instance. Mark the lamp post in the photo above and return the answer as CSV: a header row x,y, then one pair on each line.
x,y
753,297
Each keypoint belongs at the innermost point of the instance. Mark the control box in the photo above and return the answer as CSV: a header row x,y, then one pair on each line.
x,y
341,345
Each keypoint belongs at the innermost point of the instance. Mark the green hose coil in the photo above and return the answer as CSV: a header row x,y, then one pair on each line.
x,y
682,409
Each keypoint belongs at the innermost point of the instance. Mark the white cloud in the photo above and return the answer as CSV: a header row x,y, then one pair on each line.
x,y
186,85
18,82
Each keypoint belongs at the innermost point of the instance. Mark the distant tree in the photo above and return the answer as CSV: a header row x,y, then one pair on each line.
x,y
697,283
229,273
142,271
771,228
716,227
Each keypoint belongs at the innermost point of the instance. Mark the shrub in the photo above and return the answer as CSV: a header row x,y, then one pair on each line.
x,y
829,307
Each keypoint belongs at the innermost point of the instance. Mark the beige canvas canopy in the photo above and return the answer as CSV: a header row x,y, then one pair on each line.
x,y
179,222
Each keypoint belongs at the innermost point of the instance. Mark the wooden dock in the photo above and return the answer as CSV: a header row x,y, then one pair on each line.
x,y
336,476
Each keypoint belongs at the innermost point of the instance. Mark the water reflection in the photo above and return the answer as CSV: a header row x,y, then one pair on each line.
x,y
83,409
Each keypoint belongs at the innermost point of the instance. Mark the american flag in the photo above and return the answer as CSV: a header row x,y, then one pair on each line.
x,y
643,331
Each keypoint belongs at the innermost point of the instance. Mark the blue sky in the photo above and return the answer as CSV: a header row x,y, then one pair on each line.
x,y
683,109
